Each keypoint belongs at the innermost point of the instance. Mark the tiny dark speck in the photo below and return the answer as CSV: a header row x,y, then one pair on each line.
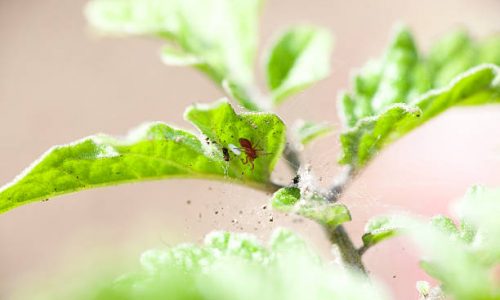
x,y
188,202
216,212
393,276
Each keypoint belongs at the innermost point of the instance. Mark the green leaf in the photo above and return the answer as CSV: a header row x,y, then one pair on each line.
x,y
464,260
298,58
457,52
227,266
445,224
175,57
489,50
306,131
454,264
361,142
219,37
285,199
316,208
243,96
481,225
156,151
404,89
225,128
379,229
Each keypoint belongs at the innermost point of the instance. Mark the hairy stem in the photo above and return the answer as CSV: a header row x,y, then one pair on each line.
x,y
362,249
292,158
340,184
338,236
348,253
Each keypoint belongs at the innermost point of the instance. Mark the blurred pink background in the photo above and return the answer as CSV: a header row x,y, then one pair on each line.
x,y
59,83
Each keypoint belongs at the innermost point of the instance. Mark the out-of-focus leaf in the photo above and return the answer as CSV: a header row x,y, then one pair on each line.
x,y
361,142
454,264
243,96
458,52
176,57
306,131
404,89
316,208
445,224
463,260
479,211
156,151
219,37
230,266
299,57
489,50
379,229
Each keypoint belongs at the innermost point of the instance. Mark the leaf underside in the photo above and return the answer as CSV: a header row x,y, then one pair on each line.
x,y
306,131
298,58
218,37
379,229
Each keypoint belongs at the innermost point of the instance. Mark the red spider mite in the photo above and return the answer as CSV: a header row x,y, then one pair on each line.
x,y
251,152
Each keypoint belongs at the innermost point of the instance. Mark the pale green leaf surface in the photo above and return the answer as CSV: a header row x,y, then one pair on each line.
x,y
155,151
298,58
231,266
289,199
243,96
224,127
219,35
404,89
445,224
379,229
306,131
458,52
361,142
463,259
176,57
455,264
479,211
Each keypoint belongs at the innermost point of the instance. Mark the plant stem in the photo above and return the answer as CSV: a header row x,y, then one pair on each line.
x,y
340,184
338,235
292,158
349,254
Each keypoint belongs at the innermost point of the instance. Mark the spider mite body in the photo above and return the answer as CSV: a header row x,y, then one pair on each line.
x,y
225,153
251,152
